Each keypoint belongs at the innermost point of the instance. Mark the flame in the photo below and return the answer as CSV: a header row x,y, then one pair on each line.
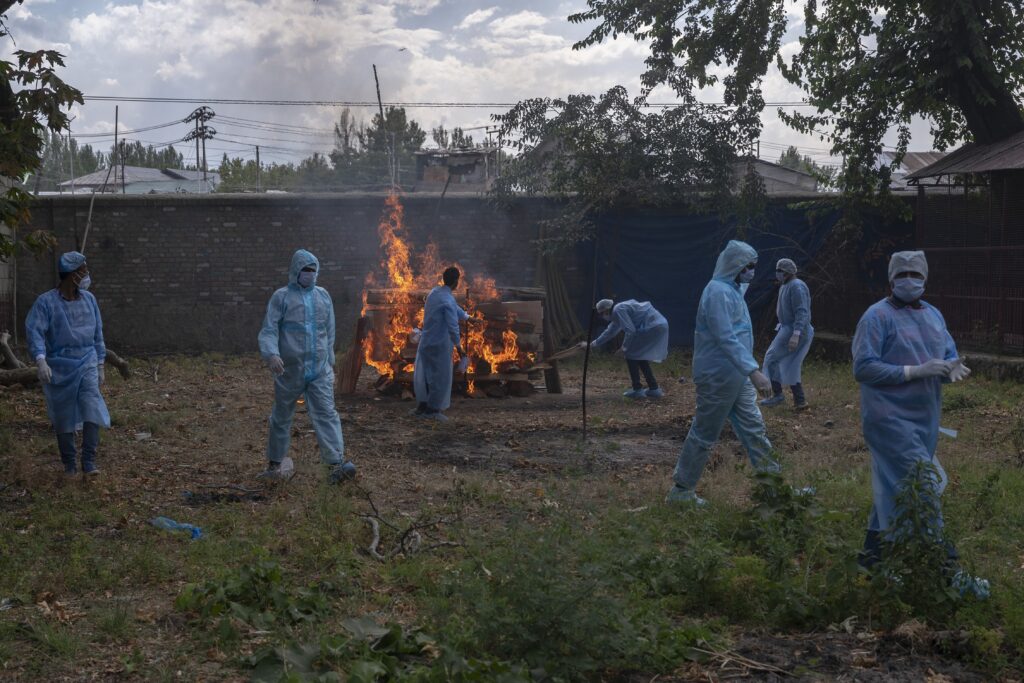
x,y
400,285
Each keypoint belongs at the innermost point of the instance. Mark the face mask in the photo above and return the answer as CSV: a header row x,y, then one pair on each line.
x,y
85,283
779,275
307,278
747,275
908,289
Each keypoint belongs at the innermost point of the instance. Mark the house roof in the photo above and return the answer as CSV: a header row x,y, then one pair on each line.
x,y
1005,155
912,161
138,174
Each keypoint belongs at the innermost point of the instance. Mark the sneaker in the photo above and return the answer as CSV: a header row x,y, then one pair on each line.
x,y
342,472
773,401
801,406
89,469
680,495
654,393
634,393
70,471
278,471
439,416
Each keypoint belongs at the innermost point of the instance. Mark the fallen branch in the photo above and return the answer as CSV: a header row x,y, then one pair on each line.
x,y
728,656
119,363
233,487
10,361
26,376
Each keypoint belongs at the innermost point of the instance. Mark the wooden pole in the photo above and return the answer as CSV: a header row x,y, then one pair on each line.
x,y
586,365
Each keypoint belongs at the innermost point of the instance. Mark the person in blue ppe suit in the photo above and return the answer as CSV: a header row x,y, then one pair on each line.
x,y
785,356
726,374
297,343
646,340
902,354
432,376
65,337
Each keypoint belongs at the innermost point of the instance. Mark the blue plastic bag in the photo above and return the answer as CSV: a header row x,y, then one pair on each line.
x,y
168,524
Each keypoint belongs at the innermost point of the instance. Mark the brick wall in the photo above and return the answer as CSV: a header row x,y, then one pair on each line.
x,y
194,272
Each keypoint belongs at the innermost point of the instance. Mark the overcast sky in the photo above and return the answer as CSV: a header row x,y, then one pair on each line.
x,y
425,51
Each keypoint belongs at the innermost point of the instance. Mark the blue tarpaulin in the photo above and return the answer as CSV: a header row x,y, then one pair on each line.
x,y
668,259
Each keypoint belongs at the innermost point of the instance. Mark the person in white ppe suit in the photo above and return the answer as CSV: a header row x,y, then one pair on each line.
x,y
726,374
785,356
432,376
645,341
297,343
902,355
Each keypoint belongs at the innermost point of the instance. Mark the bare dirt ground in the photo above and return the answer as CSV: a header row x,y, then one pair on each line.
x,y
91,586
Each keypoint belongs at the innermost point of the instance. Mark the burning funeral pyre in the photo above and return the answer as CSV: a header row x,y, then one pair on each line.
x,y
504,336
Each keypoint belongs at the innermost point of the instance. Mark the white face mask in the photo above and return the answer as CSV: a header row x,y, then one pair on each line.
x,y
908,289
747,275
307,278
85,283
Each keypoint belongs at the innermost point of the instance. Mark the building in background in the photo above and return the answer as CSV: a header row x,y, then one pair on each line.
x,y
140,180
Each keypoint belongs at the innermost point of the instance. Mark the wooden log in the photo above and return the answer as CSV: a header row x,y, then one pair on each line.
x,y
119,363
27,376
23,376
520,388
10,361
352,364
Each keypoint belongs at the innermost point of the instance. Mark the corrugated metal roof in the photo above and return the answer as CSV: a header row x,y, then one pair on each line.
x,y
138,174
1005,155
912,161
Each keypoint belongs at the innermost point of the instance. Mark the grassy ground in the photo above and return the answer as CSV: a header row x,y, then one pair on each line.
x,y
520,548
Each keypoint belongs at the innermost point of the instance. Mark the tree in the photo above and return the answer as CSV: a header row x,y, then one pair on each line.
x,y
791,159
134,153
456,139
59,156
865,67
598,153
363,154
33,99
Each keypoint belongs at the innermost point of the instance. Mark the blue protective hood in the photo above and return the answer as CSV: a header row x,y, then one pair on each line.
x,y
300,260
733,258
70,262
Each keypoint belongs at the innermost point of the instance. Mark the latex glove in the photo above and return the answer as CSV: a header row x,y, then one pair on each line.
x,y
276,365
761,383
583,345
43,371
959,371
102,374
621,351
464,364
932,368
794,341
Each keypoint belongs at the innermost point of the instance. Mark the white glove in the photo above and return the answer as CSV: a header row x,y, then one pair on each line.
x,y
959,371
464,364
761,383
621,351
43,371
276,365
794,341
932,368
583,344
102,374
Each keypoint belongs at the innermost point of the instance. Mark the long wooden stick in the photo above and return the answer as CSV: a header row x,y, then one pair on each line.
x,y
586,365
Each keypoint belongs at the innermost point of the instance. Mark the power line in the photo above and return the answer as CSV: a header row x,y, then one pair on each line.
x,y
373,104
127,132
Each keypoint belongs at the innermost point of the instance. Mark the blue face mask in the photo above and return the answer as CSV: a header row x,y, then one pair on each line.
x,y
908,289
747,275
85,283
779,275
307,278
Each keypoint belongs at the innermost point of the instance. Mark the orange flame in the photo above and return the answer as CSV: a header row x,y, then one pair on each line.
x,y
398,293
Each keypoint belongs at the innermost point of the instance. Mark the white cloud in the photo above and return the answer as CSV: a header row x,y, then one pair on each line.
x,y
476,17
520,22
110,82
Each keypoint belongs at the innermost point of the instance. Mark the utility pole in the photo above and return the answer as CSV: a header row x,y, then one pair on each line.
x,y
120,153
202,132
383,128
113,161
258,168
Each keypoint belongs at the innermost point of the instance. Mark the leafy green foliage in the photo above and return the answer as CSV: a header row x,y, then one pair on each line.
x,y
370,652
599,153
866,67
825,174
39,104
256,595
